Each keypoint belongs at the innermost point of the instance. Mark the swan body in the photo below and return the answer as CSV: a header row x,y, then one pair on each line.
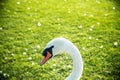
x,y
59,45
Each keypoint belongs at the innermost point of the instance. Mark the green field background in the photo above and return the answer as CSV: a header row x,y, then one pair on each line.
x,y
26,26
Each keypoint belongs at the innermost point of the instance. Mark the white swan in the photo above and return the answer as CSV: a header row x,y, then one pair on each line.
x,y
59,45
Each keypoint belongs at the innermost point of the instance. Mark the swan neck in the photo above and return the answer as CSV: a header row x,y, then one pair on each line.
x,y
77,64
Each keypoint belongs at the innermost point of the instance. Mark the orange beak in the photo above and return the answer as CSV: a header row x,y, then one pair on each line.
x,y
46,58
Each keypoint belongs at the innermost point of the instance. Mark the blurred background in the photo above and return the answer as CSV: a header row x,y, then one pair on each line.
x,y
26,26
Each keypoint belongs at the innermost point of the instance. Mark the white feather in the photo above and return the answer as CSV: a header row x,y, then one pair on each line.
x,y
64,45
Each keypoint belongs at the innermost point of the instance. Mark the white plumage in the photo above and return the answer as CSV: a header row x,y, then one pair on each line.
x,y
64,45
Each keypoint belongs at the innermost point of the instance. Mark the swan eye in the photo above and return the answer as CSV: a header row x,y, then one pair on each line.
x,y
47,50
44,53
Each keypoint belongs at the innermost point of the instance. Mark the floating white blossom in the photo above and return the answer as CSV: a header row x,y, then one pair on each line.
x,y
90,37
113,8
0,28
38,46
18,2
101,46
28,8
24,53
115,43
39,24
80,26
33,63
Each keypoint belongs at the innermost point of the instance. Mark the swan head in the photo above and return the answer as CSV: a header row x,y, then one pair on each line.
x,y
47,53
